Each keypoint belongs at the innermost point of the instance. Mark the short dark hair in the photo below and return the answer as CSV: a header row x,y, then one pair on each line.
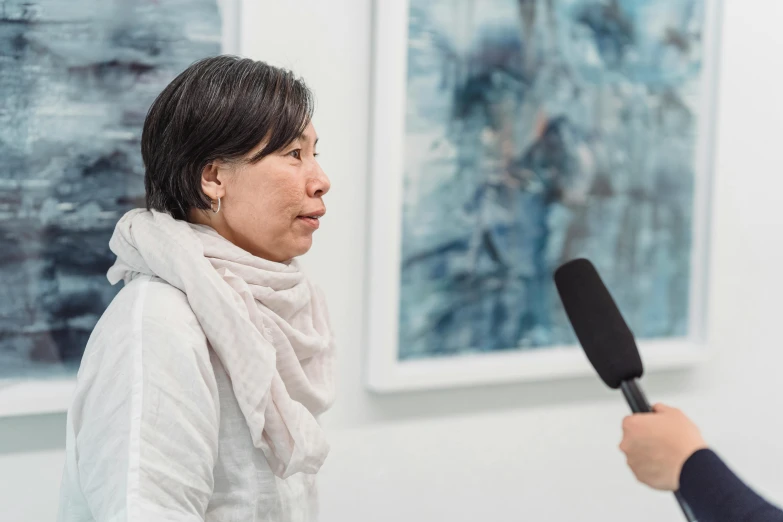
x,y
219,108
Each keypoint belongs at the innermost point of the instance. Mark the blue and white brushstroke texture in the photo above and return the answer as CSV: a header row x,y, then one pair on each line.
x,y
539,131
76,80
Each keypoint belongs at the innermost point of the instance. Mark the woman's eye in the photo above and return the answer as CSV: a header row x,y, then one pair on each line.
x,y
296,153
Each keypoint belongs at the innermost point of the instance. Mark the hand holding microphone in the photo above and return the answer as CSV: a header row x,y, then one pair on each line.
x,y
657,446
664,448
605,337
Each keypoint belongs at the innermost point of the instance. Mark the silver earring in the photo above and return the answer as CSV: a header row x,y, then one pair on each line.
x,y
218,209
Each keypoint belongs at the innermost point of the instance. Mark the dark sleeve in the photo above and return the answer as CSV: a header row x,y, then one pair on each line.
x,y
715,494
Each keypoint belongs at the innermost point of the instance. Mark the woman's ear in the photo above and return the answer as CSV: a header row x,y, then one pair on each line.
x,y
213,181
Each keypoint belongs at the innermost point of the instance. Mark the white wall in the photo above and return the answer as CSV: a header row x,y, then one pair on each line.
x,y
491,453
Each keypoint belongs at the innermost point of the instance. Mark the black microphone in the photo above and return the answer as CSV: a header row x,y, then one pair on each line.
x,y
605,337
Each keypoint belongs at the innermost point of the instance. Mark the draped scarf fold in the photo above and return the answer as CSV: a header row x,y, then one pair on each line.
x,y
266,322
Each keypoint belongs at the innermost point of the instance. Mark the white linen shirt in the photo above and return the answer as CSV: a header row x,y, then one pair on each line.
x,y
155,433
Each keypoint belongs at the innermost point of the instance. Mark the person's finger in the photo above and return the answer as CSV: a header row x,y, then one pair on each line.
x,y
661,408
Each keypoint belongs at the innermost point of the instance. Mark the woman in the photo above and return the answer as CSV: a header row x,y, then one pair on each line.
x,y
199,387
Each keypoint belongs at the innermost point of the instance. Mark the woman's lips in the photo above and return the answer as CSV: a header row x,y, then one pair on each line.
x,y
310,221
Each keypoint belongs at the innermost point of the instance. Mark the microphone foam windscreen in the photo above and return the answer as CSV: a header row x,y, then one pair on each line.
x,y
597,322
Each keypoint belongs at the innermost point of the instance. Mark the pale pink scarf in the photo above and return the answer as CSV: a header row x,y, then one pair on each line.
x,y
266,322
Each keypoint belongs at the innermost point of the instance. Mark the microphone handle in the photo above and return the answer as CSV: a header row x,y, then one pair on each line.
x,y
636,399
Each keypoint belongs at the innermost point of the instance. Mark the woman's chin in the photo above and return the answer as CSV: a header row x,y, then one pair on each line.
x,y
303,246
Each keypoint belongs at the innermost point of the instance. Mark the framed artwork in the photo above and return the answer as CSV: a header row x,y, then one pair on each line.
x,y
510,136
78,78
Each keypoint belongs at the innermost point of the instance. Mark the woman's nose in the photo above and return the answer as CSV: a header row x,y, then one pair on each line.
x,y
320,184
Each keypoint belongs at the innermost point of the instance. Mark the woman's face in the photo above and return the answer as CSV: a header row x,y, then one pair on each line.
x,y
270,208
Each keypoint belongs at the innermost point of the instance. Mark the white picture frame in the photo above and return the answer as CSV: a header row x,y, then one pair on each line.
x,y
384,373
35,397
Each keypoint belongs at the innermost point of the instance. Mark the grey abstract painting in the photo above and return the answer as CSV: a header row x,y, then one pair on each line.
x,y
538,131
76,80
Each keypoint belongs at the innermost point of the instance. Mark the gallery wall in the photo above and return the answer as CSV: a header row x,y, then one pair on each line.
x,y
538,451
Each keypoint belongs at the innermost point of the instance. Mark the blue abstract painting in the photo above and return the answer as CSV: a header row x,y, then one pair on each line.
x,y
538,131
76,80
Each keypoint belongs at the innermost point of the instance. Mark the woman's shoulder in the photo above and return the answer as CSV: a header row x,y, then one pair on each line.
x,y
148,312
164,304
148,358
150,299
